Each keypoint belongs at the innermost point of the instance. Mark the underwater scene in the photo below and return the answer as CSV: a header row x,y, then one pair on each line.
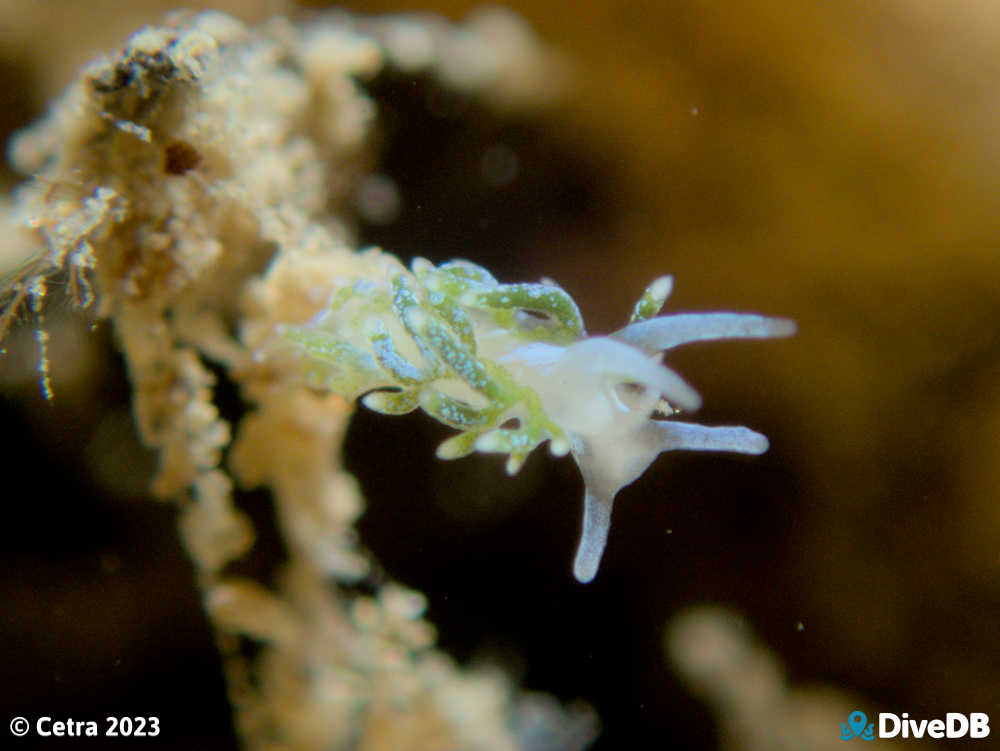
x,y
452,377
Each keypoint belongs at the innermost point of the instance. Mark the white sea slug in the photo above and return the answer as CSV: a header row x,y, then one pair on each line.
x,y
510,366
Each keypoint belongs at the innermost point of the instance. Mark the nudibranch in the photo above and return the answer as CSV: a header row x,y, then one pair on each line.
x,y
510,366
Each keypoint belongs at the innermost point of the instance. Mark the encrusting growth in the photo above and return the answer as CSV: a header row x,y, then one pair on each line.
x,y
510,366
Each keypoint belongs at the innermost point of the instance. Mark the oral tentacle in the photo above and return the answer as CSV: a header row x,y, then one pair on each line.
x,y
689,436
594,536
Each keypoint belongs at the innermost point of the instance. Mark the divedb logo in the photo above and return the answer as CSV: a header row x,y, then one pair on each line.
x,y
954,725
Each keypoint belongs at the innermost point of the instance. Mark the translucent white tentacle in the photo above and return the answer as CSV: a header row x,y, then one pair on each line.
x,y
593,538
666,332
693,437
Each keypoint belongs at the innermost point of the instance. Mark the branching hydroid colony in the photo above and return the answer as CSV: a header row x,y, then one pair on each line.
x,y
510,366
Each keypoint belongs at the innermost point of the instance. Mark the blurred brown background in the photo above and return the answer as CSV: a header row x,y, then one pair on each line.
x,y
835,163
